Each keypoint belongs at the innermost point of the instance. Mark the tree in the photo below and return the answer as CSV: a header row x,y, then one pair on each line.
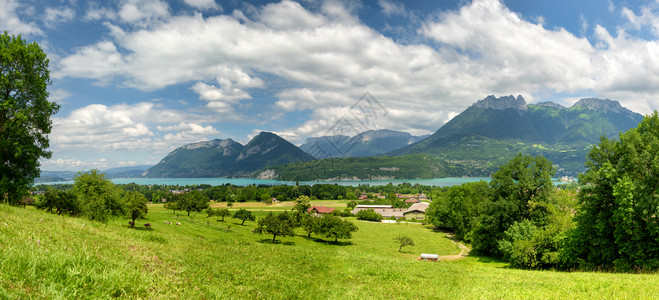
x,y
404,240
459,208
618,220
99,196
135,206
276,224
310,224
223,212
193,201
25,114
244,215
332,226
517,189
302,204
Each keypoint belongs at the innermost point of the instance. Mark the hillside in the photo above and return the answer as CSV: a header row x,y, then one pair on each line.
x,y
227,158
494,129
487,134
367,143
57,257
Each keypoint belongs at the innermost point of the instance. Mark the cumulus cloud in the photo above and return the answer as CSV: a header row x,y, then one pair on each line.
x,y
204,4
54,16
124,127
328,59
11,21
143,12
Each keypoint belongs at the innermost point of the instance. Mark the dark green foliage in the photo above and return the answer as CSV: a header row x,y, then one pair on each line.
x,y
334,227
459,208
25,114
618,223
282,224
368,215
60,202
401,167
99,197
310,224
192,201
517,188
222,212
302,204
404,240
135,206
244,215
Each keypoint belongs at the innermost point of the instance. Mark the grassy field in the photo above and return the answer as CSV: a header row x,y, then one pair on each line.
x,y
48,256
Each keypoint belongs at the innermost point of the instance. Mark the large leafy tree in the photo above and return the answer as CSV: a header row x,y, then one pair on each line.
x,y
459,208
25,114
244,215
520,190
334,227
99,197
618,221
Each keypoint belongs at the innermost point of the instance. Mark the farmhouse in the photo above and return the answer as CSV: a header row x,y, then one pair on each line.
x,y
319,210
416,211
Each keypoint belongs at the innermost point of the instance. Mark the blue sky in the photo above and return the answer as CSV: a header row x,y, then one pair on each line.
x,y
136,79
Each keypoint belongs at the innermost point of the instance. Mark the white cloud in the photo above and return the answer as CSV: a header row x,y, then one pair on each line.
x,y
391,8
59,95
54,16
12,23
143,12
204,4
328,59
97,12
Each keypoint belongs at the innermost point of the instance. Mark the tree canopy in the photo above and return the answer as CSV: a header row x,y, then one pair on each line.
x,y
618,221
25,114
135,206
99,197
282,224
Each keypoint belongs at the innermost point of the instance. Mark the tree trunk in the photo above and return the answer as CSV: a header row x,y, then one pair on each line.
x,y
273,238
243,223
188,213
401,247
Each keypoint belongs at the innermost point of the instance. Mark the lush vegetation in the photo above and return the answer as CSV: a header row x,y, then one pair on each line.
x,y
25,114
44,255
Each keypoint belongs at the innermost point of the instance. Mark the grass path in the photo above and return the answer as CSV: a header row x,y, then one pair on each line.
x,y
464,250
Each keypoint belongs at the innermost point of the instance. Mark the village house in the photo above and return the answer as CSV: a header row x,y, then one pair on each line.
x,y
320,210
416,211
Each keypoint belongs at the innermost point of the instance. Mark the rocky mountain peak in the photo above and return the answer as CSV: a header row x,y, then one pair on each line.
x,y
501,103
604,105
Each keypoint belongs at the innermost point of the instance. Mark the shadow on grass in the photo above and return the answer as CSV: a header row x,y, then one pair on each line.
x,y
269,241
326,242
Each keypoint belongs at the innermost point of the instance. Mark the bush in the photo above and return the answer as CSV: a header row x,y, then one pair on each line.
x,y
345,213
369,215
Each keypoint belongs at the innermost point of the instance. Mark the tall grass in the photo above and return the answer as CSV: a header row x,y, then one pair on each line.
x,y
48,256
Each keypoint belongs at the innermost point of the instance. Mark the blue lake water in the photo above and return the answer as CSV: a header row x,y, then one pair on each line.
x,y
247,181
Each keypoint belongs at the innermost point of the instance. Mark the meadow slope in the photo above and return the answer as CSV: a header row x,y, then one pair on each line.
x,y
49,256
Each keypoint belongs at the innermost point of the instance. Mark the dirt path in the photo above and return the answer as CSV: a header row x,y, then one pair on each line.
x,y
464,251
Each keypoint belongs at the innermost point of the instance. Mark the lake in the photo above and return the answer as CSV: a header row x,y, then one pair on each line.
x,y
248,181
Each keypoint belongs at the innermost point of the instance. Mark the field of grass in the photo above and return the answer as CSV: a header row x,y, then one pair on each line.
x,y
48,256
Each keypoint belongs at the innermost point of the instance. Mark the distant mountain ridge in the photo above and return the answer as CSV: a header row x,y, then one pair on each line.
x,y
227,158
483,137
367,143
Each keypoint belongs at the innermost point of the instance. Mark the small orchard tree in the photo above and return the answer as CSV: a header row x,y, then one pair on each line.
x,y
244,215
302,204
136,206
210,212
310,224
334,227
276,224
404,240
223,212
193,201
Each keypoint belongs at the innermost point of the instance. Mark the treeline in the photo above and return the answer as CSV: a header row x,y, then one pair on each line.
x,y
610,222
261,193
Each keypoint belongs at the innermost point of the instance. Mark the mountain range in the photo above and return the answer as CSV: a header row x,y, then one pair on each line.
x,y
474,143
484,136
227,158
367,143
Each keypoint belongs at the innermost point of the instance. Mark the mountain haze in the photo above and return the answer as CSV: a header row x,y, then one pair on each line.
x,y
367,143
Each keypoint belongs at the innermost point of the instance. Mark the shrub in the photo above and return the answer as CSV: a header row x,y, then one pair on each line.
x,y
369,215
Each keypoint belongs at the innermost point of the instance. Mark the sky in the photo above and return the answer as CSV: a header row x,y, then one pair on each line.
x,y
138,78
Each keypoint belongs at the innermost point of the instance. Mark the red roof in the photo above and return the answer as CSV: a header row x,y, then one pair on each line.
x,y
321,209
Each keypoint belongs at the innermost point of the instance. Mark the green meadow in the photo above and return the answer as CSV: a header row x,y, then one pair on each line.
x,y
48,256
